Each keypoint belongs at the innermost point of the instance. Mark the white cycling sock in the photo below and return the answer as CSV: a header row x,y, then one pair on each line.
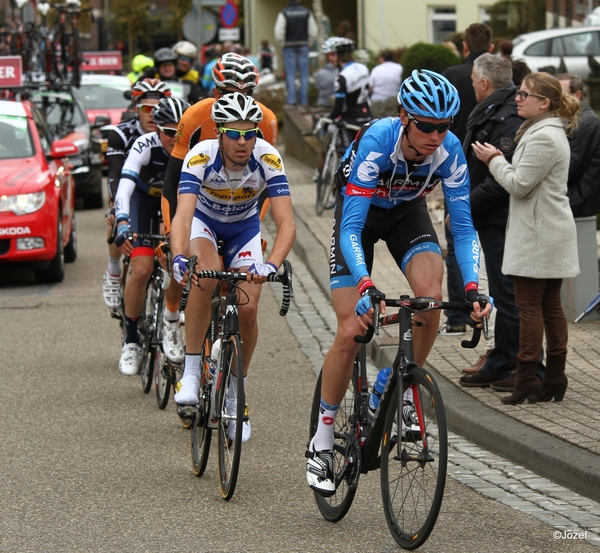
x,y
192,365
114,266
170,316
323,438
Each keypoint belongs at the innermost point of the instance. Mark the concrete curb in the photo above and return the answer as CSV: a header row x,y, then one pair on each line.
x,y
547,455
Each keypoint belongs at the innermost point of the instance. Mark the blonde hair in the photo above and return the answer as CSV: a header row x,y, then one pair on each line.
x,y
561,104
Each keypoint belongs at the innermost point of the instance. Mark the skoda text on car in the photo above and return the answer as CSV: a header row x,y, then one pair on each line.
x,y
37,194
65,115
105,99
577,47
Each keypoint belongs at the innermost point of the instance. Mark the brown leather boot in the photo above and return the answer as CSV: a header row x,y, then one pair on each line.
x,y
555,380
478,365
527,384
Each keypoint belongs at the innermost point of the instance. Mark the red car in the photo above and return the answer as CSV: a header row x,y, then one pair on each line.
x,y
37,194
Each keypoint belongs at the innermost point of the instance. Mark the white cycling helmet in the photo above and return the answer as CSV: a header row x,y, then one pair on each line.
x,y
233,70
236,107
186,48
331,45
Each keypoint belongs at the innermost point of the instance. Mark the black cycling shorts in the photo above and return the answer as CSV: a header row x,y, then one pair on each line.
x,y
144,216
406,229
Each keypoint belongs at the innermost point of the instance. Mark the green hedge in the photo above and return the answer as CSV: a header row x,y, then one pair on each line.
x,y
428,56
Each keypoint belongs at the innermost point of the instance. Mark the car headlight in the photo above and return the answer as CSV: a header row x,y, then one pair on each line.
x,y
20,204
81,143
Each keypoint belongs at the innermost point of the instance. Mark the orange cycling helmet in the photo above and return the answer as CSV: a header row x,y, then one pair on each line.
x,y
233,70
151,89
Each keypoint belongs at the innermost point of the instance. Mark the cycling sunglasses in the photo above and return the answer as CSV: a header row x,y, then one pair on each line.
x,y
167,130
234,134
428,128
146,108
186,58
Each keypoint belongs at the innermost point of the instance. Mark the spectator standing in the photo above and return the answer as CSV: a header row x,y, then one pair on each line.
x,y
494,120
295,30
164,64
477,40
385,78
583,186
326,76
541,240
505,48
267,56
520,71
212,55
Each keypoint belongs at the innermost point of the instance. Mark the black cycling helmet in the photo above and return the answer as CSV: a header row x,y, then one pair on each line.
x,y
164,54
169,110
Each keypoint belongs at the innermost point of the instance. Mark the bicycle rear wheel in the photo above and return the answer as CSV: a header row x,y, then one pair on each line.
x,y
147,329
413,469
325,187
230,444
345,450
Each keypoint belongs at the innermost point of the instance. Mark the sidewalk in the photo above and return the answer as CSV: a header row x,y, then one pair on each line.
x,y
560,441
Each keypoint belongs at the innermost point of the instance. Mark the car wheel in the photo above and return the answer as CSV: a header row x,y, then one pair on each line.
x,y
56,271
71,247
94,201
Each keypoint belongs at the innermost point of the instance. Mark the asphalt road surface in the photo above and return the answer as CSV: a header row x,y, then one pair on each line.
x,y
89,463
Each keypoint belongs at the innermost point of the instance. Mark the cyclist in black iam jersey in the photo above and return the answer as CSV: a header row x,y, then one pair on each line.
x,y
138,209
351,89
145,95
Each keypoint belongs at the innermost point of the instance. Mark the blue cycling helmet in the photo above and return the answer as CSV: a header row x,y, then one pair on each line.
x,y
429,94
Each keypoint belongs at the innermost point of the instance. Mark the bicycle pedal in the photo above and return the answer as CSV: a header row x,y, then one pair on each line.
x,y
166,373
116,315
187,411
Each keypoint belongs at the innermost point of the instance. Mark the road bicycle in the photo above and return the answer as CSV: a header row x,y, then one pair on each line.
x,y
412,463
214,402
326,188
150,320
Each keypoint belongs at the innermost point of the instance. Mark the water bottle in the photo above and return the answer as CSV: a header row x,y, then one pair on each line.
x,y
378,388
214,357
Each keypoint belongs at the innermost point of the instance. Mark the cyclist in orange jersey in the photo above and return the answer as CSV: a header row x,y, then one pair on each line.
x,y
232,73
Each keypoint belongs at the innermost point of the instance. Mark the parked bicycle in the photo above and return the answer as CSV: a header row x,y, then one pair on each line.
x,y
212,411
326,188
413,462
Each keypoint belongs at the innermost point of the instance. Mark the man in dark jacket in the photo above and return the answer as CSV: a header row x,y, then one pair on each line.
x,y
296,31
583,186
494,120
477,40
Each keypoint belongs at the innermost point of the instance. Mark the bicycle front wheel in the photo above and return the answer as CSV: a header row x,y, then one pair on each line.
x,y
231,408
414,464
345,453
162,377
201,425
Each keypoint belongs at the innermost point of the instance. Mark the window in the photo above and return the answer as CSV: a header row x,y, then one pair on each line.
x,y
443,23
541,48
581,44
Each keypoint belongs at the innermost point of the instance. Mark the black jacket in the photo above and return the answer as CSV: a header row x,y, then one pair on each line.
x,y
498,126
460,76
583,186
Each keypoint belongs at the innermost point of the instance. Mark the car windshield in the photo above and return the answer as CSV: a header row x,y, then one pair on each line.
x,y
15,140
59,110
100,96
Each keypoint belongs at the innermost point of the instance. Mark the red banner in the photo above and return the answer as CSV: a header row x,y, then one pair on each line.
x,y
102,61
11,71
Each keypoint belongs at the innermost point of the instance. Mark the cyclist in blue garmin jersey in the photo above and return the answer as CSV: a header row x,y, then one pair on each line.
x,y
383,179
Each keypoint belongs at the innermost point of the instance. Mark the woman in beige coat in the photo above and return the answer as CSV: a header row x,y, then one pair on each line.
x,y
541,242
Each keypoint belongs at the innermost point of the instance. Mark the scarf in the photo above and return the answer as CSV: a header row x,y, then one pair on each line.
x,y
497,97
530,122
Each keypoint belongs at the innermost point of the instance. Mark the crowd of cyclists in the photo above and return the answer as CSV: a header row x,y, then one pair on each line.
x,y
206,171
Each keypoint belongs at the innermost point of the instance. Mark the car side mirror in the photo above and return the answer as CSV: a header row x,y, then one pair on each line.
x,y
63,148
101,121
127,94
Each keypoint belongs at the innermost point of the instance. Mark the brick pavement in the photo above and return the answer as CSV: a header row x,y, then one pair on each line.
x,y
575,421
